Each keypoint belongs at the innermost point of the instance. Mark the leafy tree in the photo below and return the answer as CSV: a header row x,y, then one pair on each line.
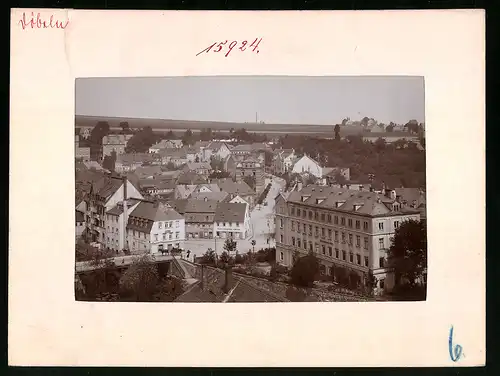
x,y
304,270
225,258
230,246
100,130
206,134
389,128
380,144
364,121
337,132
208,257
170,135
140,279
197,159
141,141
125,126
168,289
407,255
109,161
188,138
370,283
412,126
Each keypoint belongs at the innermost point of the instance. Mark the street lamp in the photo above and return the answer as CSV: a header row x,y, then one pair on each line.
x,y
253,245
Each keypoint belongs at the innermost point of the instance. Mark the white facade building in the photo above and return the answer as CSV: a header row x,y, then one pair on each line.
x,y
232,220
309,165
155,227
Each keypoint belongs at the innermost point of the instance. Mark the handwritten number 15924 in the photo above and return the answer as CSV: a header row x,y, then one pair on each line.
x,y
243,45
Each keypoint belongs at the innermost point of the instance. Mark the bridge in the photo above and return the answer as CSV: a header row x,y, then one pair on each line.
x,y
126,261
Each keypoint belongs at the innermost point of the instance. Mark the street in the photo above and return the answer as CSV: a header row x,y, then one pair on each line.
x,y
261,226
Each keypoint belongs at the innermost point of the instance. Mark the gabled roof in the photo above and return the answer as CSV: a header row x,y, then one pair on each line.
x,y
118,208
215,196
193,166
184,206
173,153
216,145
230,212
132,158
235,188
367,203
241,290
107,186
150,212
190,178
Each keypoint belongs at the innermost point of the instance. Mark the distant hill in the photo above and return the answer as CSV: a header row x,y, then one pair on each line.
x,y
182,125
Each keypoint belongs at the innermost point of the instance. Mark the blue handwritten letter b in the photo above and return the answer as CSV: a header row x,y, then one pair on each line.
x,y
455,351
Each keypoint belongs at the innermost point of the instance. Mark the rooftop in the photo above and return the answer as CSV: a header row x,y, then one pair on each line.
x,y
230,212
342,199
151,212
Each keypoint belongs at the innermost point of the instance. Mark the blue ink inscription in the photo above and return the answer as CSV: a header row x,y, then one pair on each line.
x,y
455,351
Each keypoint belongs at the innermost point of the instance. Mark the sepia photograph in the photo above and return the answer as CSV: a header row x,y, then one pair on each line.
x,y
250,189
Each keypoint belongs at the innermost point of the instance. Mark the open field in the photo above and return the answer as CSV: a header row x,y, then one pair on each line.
x,y
183,125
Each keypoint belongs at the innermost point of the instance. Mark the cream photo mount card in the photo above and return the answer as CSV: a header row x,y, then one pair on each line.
x,y
234,157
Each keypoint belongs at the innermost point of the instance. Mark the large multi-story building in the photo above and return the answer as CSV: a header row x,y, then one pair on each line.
x,y
103,195
345,229
154,227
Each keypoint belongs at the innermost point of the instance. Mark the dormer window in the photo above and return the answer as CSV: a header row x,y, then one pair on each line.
x,y
304,198
339,203
319,200
356,207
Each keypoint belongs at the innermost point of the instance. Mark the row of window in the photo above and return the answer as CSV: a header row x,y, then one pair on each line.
x,y
224,224
168,224
327,218
331,253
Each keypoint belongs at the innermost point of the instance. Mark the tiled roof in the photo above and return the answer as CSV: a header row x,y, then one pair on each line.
x,y
145,171
368,203
215,196
215,145
184,191
198,165
240,290
236,188
173,153
161,145
151,212
107,186
410,195
190,178
130,158
118,208
194,206
242,148
230,212
79,216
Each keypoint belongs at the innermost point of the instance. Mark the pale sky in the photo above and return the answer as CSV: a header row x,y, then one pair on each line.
x,y
276,99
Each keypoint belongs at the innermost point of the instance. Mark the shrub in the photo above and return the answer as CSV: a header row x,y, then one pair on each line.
x,y
305,270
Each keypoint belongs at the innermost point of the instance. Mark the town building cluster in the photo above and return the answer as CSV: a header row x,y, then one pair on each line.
x,y
154,202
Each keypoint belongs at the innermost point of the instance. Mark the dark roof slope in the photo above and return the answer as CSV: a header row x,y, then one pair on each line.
x,y
230,212
241,290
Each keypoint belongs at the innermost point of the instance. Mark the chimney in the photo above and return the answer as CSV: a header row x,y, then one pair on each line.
x,y
205,199
228,283
299,186
125,213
